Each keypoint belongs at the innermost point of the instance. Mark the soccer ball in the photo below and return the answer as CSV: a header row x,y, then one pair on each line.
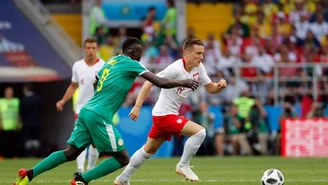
x,y
272,177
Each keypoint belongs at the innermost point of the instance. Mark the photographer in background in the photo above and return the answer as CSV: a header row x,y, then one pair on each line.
x,y
260,130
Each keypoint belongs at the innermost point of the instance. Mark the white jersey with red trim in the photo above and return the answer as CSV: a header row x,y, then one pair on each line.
x,y
170,100
84,75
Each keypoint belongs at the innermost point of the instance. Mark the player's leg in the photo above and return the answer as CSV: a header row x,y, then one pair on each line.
x,y
78,140
138,159
92,157
52,161
107,139
197,135
80,160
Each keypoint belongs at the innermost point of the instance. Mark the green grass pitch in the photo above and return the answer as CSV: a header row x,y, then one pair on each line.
x,y
211,170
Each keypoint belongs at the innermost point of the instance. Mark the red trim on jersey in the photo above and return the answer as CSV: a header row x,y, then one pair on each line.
x,y
76,116
184,63
95,62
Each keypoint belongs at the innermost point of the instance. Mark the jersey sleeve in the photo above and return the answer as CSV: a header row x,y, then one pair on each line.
x,y
169,72
204,79
136,68
74,74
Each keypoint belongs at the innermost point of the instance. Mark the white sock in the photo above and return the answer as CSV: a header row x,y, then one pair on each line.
x,y
80,161
136,161
191,146
92,157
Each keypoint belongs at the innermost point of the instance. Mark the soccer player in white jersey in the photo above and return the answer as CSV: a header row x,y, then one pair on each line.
x,y
166,122
84,75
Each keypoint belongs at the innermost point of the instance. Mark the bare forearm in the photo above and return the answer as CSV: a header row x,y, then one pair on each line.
x,y
143,93
214,88
165,83
69,93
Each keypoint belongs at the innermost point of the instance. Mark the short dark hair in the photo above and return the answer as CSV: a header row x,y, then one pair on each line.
x,y
129,43
170,2
90,40
192,41
151,8
28,86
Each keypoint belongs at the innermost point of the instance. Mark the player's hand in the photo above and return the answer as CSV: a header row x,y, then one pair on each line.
x,y
60,105
193,84
222,84
134,114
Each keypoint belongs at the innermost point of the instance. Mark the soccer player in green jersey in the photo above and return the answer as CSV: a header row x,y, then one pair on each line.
x,y
94,124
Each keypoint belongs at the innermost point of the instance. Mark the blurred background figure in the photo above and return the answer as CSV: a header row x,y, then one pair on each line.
x,y
10,124
30,113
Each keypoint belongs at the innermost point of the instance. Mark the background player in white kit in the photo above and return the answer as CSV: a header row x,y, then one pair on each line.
x,y
84,72
166,121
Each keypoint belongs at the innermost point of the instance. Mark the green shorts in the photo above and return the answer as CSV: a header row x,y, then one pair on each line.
x,y
91,128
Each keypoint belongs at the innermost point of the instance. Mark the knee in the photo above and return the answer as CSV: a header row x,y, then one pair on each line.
x,y
150,149
72,153
201,134
123,160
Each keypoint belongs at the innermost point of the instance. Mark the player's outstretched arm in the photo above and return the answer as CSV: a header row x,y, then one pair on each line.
x,y
68,95
214,88
168,83
145,89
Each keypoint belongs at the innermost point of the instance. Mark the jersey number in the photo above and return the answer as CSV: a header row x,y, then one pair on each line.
x,y
103,77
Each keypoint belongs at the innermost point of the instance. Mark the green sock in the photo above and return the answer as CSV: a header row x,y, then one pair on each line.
x,y
106,167
52,161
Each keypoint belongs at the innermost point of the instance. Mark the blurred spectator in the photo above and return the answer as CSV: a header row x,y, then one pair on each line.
x,y
244,104
148,25
317,110
262,25
10,123
30,111
234,42
295,14
259,129
235,88
320,27
169,22
227,62
100,36
263,61
302,27
310,40
149,55
261,87
122,35
269,8
98,19
212,54
164,58
284,54
319,9
242,28
230,133
107,50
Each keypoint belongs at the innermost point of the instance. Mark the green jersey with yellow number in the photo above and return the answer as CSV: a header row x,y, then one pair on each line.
x,y
115,80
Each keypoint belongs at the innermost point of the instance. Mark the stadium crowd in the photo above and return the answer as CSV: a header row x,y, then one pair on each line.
x,y
270,46
287,39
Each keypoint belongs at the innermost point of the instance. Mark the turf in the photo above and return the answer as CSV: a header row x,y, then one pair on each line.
x,y
211,170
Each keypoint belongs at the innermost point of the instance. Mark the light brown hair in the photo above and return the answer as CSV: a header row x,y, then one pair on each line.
x,y
90,40
191,42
